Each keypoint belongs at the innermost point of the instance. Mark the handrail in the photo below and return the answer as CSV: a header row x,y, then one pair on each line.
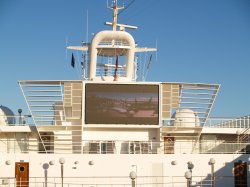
x,y
122,181
213,122
124,147
15,120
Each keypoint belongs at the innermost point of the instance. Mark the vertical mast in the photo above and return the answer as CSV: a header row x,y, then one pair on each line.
x,y
115,8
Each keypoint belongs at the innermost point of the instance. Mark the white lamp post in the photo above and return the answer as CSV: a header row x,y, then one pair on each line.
x,y
188,176
211,163
190,167
132,176
62,162
238,132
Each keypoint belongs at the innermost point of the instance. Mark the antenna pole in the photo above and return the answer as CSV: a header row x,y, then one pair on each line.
x,y
85,57
87,28
115,8
66,51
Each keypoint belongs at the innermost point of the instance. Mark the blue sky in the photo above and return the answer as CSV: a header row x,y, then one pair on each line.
x,y
199,41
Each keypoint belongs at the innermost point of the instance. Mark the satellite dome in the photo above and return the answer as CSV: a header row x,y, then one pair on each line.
x,y
186,118
6,116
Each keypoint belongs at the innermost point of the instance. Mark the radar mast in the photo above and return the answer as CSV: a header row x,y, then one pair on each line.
x,y
114,6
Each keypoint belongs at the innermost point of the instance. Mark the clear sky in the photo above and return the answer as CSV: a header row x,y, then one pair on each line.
x,y
199,41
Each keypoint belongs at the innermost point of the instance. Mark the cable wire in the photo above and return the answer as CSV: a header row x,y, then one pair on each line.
x,y
131,2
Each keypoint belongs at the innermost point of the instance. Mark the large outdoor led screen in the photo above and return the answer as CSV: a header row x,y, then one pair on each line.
x,y
121,104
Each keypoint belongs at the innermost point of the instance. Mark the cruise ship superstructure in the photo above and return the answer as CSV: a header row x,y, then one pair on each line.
x,y
109,129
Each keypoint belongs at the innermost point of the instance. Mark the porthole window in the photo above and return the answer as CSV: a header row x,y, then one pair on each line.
x,y
21,168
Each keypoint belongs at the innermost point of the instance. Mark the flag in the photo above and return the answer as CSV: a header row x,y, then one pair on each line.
x,y
116,68
73,61
116,63
149,62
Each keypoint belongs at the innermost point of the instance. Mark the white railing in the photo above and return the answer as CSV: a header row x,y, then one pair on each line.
x,y
123,147
110,71
15,120
214,122
123,181
242,122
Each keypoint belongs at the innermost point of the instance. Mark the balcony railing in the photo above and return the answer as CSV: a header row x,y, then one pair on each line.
x,y
16,120
215,122
219,122
123,147
124,181
242,122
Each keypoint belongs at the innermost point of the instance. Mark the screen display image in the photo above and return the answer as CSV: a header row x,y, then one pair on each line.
x,y
121,104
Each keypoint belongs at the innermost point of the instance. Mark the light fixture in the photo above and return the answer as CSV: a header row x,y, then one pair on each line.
x,y
174,162
75,165
133,176
238,132
211,163
52,162
8,162
190,166
61,160
188,176
91,162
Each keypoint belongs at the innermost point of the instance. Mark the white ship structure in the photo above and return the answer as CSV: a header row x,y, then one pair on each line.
x,y
110,129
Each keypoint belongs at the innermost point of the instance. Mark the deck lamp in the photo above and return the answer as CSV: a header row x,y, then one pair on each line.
x,y
20,115
52,162
132,176
211,163
62,162
238,132
190,167
188,176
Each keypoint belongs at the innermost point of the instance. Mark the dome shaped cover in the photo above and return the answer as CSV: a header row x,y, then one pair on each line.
x,y
186,118
6,116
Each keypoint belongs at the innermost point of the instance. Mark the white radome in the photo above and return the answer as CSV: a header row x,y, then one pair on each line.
x,y
7,117
186,118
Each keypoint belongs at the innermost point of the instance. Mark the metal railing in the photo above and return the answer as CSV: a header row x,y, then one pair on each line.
x,y
215,122
242,122
123,181
15,120
110,71
123,147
